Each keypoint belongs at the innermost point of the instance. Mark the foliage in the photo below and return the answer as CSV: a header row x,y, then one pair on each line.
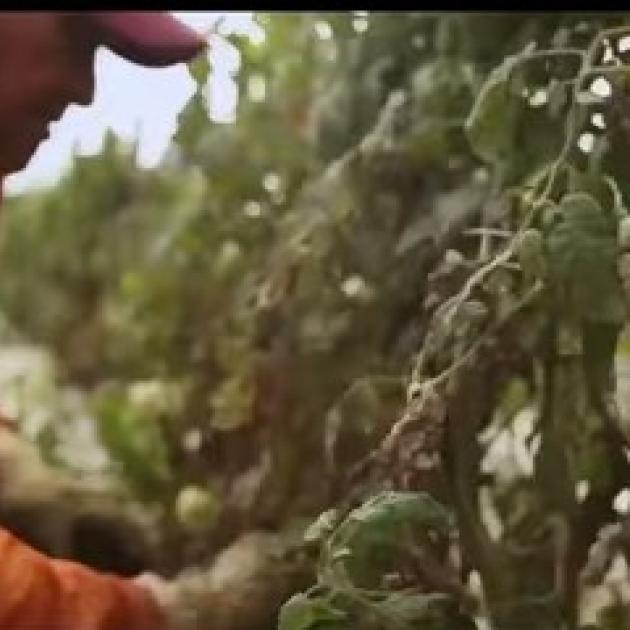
x,y
357,551
390,291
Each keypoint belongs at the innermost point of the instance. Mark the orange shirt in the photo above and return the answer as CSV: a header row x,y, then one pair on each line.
x,y
40,593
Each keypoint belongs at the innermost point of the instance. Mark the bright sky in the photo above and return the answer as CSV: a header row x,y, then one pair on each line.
x,y
138,102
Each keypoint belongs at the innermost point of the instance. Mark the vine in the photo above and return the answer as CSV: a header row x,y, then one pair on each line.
x,y
547,306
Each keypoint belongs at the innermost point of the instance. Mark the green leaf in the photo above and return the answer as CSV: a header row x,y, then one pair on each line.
x,y
135,443
582,246
377,531
193,121
434,611
514,397
603,188
304,613
490,124
199,70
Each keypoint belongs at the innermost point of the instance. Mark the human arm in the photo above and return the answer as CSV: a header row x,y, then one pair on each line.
x,y
40,592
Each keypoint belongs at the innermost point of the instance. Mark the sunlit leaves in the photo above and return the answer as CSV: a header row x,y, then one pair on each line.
x,y
199,69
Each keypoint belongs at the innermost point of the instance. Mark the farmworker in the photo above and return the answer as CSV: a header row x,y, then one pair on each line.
x,y
47,63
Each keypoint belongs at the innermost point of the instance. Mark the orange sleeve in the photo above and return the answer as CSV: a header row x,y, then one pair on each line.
x,y
40,593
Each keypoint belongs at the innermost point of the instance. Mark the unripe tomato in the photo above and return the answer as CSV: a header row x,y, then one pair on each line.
x,y
196,507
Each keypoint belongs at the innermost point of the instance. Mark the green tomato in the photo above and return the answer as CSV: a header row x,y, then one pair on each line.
x,y
196,507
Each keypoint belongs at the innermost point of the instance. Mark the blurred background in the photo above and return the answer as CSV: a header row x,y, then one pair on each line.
x,y
218,279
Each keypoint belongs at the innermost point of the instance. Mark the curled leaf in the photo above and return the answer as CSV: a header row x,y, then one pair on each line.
x,y
582,247
490,124
303,613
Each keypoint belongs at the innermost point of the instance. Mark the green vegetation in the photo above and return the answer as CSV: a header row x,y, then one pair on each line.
x,y
380,309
